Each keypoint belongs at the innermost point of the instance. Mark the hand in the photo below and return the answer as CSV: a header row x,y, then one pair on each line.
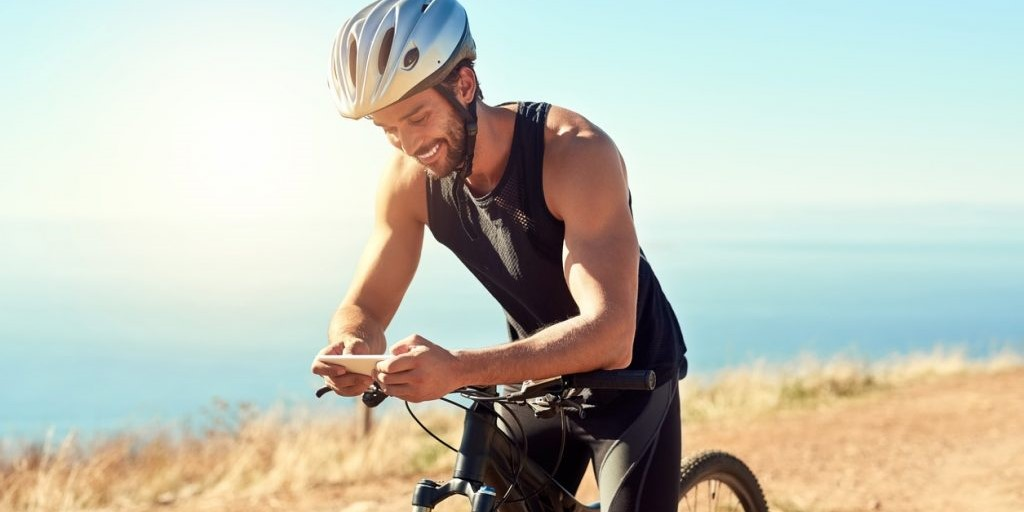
x,y
419,371
335,376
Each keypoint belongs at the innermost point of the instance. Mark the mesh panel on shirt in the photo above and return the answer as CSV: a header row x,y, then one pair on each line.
x,y
509,201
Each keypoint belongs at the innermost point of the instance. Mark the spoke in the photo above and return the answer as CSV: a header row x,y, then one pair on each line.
x,y
686,498
713,487
707,497
711,495
706,494
714,492
739,504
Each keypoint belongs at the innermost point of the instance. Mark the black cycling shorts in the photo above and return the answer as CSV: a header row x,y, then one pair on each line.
x,y
632,438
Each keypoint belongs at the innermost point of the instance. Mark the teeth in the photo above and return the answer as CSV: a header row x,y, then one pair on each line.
x,y
430,153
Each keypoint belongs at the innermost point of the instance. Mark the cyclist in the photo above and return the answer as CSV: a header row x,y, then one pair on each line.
x,y
534,200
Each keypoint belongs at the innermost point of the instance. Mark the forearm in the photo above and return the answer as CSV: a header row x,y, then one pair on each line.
x,y
579,344
351,325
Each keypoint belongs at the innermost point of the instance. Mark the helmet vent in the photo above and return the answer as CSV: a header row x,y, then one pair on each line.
x,y
385,50
352,61
411,58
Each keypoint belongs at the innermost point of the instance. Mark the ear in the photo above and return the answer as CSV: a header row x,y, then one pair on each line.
x,y
465,88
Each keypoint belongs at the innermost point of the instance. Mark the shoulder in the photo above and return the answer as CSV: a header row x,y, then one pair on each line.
x,y
565,127
578,155
401,193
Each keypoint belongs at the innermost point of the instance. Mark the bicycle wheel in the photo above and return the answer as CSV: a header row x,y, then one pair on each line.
x,y
717,481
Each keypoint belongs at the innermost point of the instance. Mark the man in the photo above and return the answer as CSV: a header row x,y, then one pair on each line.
x,y
534,200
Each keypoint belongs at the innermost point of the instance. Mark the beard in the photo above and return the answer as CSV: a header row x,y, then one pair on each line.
x,y
455,140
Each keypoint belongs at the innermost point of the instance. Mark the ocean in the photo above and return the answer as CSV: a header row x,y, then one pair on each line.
x,y
107,326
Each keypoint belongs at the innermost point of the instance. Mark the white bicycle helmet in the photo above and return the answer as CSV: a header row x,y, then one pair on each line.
x,y
393,49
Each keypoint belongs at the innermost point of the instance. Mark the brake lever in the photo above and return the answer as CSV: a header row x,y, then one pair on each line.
x,y
371,397
534,388
546,406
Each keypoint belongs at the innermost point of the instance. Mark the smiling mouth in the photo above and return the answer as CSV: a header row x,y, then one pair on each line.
x,y
426,156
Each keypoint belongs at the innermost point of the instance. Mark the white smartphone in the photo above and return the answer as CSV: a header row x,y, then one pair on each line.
x,y
361,364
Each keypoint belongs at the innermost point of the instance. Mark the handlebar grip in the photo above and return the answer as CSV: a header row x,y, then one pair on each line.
x,y
629,380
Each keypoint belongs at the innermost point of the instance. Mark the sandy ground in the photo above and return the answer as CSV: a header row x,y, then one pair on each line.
x,y
955,444
952,444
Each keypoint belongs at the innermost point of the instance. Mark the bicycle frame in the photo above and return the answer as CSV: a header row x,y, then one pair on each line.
x,y
482,465
484,469
476,477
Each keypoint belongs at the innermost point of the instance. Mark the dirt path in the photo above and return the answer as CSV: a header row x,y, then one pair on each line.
x,y
952,444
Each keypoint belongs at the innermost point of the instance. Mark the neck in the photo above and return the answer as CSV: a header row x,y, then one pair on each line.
x,y
493,143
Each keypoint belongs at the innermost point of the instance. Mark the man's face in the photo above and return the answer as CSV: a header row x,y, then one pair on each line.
x,y
425,127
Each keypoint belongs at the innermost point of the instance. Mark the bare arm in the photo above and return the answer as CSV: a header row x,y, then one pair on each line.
x,y
585,186
385,270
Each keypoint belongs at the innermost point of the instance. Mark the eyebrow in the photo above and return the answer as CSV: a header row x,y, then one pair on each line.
x,y
407,116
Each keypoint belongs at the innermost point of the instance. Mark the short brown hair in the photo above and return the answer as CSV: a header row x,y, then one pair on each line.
x,y
449,81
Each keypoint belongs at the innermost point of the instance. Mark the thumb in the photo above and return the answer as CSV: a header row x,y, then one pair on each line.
x,y
357,347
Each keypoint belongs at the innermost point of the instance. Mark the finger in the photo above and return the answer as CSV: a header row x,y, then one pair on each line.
x,y
404,361
334,349
409,393
351,391
400,391
362,384
400,348
407,344
399,363
350,385
328,370
397,379
349,380
357,347
321,368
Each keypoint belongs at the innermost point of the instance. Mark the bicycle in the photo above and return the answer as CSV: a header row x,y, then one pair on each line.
x,y
708,481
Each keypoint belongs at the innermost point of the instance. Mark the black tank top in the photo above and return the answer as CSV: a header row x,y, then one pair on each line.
x,y
512,243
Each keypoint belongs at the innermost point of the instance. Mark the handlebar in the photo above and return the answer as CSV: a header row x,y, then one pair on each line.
x,y
625,380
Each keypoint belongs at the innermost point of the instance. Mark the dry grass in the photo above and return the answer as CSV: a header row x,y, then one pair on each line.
x,y
245,454
254,454
746,392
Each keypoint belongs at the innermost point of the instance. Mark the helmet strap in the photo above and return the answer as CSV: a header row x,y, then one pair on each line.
x,y
468,115
463,170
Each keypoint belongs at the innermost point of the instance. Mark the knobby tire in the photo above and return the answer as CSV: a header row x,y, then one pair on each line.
x,y
703,477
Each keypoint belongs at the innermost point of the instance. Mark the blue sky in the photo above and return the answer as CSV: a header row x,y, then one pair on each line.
x,y
210,110
173,175
207,119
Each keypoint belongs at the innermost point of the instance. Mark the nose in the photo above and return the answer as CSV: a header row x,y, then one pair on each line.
x,y
409,141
